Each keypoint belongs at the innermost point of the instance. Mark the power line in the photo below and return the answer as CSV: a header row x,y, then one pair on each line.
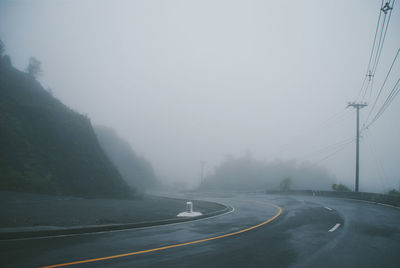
x,y
335,152
393,93
330,147
376,33
384,9
368,72
383,84
389,99
370,92
330,121
362,87
370,85
376,55
374,153
380,45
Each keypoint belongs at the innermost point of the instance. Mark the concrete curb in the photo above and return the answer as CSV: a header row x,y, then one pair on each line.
x,y
104,228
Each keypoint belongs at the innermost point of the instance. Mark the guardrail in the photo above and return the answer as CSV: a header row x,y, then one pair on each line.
x,y
393,200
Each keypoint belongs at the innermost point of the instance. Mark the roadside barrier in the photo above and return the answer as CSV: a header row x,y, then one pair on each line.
x,y
393,200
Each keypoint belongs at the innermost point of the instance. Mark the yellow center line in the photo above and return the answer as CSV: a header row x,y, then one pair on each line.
x,y
171,246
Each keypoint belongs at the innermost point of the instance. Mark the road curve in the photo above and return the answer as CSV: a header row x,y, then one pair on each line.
x,y
262,231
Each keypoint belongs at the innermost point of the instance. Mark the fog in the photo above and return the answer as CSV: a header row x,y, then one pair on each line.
x,y
191,81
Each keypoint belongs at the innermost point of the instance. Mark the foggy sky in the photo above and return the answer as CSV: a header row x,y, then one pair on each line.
x,y
192,81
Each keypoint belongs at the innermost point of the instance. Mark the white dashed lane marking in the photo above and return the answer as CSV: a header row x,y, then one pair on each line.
x,y
337,225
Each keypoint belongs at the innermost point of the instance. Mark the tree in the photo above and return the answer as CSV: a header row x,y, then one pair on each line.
x,y
285,184
340,188
2,48
394,192
34,67
4,59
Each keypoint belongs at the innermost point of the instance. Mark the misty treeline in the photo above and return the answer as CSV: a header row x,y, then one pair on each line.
x,y
245,173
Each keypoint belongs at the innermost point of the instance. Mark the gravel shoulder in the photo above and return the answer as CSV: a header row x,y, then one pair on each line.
x,y
27,212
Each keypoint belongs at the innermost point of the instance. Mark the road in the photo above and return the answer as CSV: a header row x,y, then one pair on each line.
x,y
261,231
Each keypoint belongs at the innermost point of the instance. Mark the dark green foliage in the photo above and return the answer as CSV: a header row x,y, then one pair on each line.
x,y
48,148
136,170
248,174
394,192
340,188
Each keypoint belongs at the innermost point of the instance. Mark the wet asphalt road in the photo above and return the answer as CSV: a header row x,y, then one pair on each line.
x,y
303,235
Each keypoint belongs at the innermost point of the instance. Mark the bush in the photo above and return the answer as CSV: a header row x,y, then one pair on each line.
x,y
394,192
340,188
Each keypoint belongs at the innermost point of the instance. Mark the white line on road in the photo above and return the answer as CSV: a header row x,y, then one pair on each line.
x,y
121,230
334,227
328,208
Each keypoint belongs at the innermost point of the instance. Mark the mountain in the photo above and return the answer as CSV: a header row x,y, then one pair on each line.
x,y
136,170
47,147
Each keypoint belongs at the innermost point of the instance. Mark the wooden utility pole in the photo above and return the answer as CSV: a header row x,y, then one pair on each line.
x,y
357,106
203,164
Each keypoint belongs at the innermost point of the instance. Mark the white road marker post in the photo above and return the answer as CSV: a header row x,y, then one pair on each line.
x,y
189,211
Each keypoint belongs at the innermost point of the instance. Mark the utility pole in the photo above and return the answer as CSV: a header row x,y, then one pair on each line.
x,y
357,106
203,164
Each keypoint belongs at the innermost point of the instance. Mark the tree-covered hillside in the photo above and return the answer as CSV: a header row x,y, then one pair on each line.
x,y
136,170
248,174
48,148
